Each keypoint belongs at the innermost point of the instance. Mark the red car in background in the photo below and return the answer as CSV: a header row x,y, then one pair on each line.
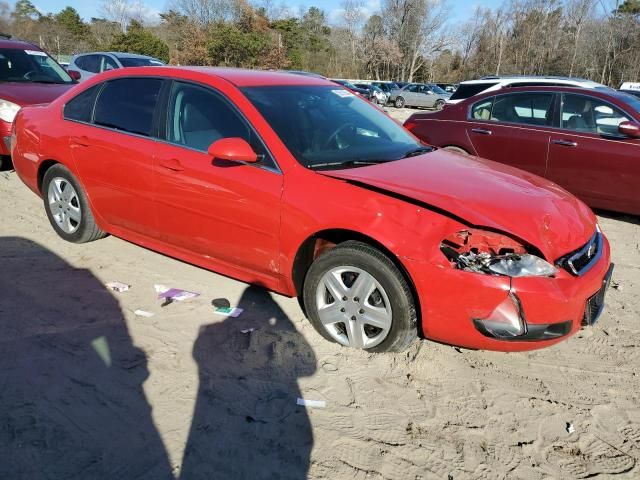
x,y
587,141
28,76
296,184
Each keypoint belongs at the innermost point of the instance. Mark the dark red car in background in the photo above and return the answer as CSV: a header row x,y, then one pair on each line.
x,y
28,76
587,141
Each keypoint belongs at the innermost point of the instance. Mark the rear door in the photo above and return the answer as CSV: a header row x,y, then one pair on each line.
x,y
514,129
113,152
223,210
591,159
410,95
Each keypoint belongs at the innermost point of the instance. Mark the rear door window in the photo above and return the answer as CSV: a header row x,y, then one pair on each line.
x,y
128,105
471,89
90,63
526,108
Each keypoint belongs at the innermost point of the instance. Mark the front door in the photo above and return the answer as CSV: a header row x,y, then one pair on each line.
x,y
222,210
591,159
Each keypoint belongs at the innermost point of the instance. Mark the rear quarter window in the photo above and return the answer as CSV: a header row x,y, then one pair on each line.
x,y
80,107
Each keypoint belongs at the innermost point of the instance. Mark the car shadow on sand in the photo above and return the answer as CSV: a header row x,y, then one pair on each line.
x,y
71,398
246,423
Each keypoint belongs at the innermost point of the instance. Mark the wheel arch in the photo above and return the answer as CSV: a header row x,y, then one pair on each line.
x,y
324,240
42,170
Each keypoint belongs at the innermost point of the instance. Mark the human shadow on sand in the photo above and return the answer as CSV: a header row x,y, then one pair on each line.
x,y
246,423
71,398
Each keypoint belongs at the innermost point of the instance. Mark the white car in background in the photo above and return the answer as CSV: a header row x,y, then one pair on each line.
x,y
485,84
86,65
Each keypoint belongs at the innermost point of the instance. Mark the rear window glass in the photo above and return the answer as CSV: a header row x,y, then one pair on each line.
x,y
471,89
128,104
80,108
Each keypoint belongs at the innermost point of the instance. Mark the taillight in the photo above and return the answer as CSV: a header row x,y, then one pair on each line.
x,y
410,124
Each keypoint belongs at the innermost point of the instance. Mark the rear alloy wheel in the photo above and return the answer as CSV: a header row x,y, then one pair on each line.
x,y
399,103
67,207
357,297
439,105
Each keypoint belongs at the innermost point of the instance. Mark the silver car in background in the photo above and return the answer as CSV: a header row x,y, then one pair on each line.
x,y
419,95
86,65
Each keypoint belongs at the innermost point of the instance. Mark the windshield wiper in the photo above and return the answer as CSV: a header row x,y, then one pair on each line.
x,y
346,164
417,151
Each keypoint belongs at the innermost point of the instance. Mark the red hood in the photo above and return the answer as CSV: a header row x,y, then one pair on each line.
x,y
489,194
29,93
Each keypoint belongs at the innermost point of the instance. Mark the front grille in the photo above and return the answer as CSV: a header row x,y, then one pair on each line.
x,y
595,304
581,260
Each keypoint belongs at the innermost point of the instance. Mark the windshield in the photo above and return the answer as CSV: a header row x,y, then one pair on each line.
x,y
328,127
30,66
629,99
139,62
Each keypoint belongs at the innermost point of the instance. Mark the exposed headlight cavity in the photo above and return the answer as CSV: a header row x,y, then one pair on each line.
x,y
492,253
8,110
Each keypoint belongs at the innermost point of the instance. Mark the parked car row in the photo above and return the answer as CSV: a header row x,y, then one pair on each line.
x,y
86,65
295,183
586,140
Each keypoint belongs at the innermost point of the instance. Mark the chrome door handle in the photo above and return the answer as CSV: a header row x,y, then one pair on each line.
x,y
172,164
565,143
481,131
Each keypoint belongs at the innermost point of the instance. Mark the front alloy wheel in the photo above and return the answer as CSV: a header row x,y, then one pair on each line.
x,y
356,296
353,307
399,102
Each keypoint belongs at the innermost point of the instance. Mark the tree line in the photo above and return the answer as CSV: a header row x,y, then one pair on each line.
x,y
409,40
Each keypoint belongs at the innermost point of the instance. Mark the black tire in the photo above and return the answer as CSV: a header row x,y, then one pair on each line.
x,y
439,105
86,228
403,331
399,103
453,148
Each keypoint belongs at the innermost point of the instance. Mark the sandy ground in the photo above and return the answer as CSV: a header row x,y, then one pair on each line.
x,y
90,390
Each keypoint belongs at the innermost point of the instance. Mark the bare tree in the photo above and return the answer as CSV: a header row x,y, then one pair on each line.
x,y
353,17
122,11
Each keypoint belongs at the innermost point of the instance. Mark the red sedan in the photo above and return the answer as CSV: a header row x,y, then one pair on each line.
x,y
298,185
587,141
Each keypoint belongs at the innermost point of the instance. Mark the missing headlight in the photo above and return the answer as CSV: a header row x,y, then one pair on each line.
x,y
492,253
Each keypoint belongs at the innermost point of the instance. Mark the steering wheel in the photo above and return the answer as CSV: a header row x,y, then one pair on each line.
x,y
335,134
27,76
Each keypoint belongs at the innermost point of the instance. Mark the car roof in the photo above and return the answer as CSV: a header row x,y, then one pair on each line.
x,y
238,76
601,93
14,43
117,54
533,79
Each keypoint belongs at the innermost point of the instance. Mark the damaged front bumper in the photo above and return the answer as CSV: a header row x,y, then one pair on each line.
x,y
480,311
